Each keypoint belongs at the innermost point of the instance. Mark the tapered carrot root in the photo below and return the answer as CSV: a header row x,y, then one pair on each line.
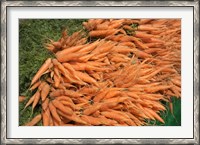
x,y
61,107
34,121
45,91
46,117
54,113
42,69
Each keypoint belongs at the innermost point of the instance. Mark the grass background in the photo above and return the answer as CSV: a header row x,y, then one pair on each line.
x,y
33,33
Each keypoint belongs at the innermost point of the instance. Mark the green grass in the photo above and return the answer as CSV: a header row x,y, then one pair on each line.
x,y
33,33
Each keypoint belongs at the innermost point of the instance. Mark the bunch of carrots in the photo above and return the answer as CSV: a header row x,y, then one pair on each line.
x,y
117,79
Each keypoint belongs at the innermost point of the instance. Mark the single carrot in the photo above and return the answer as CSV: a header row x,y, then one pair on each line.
x,y
50,120
34,121
65,92
35,85
46,117
29,102
36,100
42,69
45,104
53,111
45,91
68,57
61,107
146,28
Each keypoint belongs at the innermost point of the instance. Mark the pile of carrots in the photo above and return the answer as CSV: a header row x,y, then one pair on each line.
x,y
116,76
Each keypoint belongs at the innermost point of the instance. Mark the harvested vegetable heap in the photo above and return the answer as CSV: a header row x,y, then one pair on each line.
x,y
116,76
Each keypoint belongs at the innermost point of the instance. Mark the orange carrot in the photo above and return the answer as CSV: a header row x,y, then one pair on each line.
x,y
45,104
46,117
34,121
53,111
42,69
36,100
61,107
86,78
45,91
35,85
22,98
72,117
155,115
91,109
30,101
91,120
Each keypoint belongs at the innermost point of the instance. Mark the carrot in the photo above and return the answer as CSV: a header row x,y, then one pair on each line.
x,y
65,92
50,47
53,111
145,21
69,51
46,117
139,43
92,109
68,104
88,90
61,107
45,104
111,94
108,105
100,95
42,69
57,80
57,44
50,120
157,88
22,99
176,82
36,100
139,34
155,72
62,69
91,120
106,121
42,84
72,117
45,91
90,47
35,85
86,78
62,57
114,115
34,121
97,33
29,102
155,115
103,26
66,99
146,28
